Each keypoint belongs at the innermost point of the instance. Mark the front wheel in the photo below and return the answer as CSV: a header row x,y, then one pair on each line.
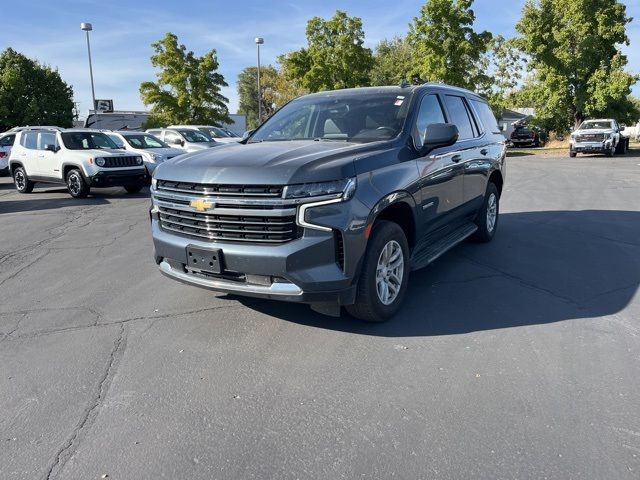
x,y
487,219
133,188
572,154
385,272
76,185
21,180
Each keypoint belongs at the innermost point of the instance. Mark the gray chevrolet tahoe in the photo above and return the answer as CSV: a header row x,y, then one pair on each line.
x,y
334,199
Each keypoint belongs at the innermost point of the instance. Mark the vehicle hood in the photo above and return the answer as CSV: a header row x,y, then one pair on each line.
x,y
276,163
228,140
196,147
164,152
105,152
593,131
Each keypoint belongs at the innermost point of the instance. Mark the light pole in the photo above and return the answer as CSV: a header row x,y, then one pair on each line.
x,y
259,41
87,27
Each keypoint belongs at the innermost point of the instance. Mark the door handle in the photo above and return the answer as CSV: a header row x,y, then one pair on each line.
x,y
484,151
456,158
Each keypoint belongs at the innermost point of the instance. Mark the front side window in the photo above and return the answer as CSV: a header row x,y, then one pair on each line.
x,y
430,112
46,138
194,136
172,137
145,141
459,116
354,117
86,140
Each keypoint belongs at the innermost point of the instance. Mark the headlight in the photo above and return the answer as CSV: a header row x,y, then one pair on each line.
x,y
100,162
346,188
154,183
154,157
139,160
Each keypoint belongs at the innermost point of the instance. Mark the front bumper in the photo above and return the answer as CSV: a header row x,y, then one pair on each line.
x,y
119,178
303,270
591,147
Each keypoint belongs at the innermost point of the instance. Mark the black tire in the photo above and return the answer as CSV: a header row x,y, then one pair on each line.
x,y
536,144
76,185
21,181
611,152
369,306
491,206
620,148
133,188
572,154
4,172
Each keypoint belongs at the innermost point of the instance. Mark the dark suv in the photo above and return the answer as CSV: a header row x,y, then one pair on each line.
x,y
334,199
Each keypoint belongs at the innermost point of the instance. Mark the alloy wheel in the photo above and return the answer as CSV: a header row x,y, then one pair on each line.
x,y
19,180
73,182
389,272
492,212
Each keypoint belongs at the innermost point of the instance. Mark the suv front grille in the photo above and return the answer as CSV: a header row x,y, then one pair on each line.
x,y
114,162
241,228
267,191
592,137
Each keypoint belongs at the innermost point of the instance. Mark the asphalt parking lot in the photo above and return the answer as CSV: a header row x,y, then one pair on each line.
x,y
516,359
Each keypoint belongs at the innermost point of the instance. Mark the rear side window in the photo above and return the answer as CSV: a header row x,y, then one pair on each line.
x,y
459,116
30,140
486,116
430,112
7,141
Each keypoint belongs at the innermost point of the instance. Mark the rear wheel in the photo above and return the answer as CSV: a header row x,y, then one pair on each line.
x,y
133,188
21,181
487,219
76,185
572,154
385,272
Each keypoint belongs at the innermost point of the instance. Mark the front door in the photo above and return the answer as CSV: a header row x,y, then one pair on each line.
x,y
441,171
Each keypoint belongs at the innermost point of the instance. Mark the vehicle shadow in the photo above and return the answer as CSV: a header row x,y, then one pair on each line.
x,y
19,206
542,267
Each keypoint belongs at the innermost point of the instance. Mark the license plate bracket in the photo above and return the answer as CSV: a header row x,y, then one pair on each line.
x,y
205,260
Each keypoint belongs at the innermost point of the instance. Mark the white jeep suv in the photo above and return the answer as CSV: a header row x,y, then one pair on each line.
x,y
80,159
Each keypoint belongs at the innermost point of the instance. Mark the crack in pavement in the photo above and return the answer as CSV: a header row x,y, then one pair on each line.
x,y
68,450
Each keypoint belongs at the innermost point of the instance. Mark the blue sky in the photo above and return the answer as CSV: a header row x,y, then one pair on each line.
x,y
124,29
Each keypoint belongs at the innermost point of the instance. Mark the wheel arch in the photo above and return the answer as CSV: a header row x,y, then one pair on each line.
x,y
497,179
398,207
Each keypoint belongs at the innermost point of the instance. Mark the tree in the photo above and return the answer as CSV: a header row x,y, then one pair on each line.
x,y
32,94
248,93
445,46
334,57
187,89
578,67
393,60
505,67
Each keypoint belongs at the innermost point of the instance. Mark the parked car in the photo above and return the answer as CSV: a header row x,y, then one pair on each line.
x,y
79,159
598,136
6,142
524,136
334,199
217,134
188,139
153,150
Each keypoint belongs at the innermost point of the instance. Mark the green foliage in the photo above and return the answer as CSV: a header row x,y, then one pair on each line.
x,y
578,68
187,89
248,93
505,64
334,57
32,94
393,60
445,46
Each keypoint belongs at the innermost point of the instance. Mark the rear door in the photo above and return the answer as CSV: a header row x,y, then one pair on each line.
x,y
441,173
28,154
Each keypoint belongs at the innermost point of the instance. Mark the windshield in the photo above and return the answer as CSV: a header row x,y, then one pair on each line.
x,y
358,117
215,132
194,136
595,125
145,141
87,140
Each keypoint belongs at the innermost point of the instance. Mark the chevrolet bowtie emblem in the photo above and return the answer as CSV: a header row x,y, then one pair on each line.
x,y
201,205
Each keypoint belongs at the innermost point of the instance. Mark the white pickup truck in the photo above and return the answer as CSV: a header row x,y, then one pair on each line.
x,y
79,159
598,136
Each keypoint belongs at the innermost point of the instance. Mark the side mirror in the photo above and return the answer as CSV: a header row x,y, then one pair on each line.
x,y
177,141
439,135
51,148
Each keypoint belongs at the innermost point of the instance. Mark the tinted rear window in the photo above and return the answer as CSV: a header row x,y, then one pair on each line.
x,y
459,116
486,116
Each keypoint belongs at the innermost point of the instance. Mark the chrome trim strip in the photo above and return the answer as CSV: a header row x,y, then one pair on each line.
x,y
225,285
211,192
223,239
208,220
248,212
